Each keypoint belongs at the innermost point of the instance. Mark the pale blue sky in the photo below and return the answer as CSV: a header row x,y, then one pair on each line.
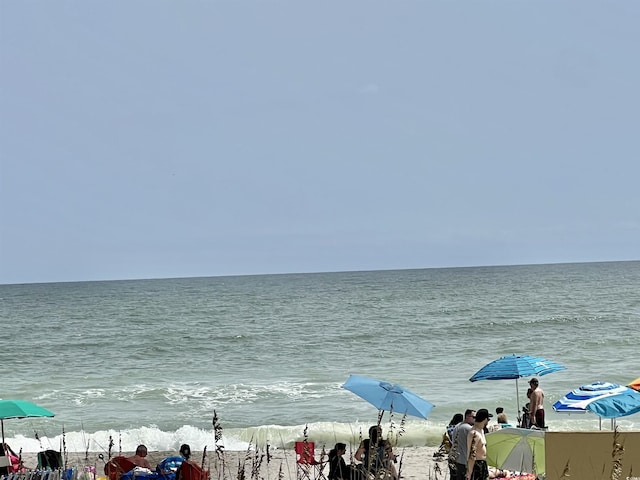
x,y
150,139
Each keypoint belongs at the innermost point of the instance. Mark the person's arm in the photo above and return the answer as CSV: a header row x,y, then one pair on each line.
x,y
471,449
533,407
359,452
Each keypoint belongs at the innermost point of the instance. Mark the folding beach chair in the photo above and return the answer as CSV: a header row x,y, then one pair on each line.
x,y
50,460
307,467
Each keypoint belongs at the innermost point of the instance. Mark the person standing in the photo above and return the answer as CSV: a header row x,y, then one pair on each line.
x,y
477,468
458,452
536,407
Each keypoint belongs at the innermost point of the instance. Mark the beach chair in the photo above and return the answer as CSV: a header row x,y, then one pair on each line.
x,y
50,460
191,471
118,466
307,467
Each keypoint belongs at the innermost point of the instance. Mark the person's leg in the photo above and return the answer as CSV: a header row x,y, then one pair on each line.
x,y
461,471
540,418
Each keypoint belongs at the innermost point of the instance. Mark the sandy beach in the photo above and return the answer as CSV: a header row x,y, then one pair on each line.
x,y
413,463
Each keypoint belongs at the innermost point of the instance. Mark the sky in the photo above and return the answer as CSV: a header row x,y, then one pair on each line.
x,y
156,139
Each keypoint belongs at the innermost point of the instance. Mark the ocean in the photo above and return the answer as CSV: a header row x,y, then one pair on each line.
x,y
149,361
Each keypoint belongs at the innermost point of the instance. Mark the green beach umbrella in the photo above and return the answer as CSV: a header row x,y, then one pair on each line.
x,y
517,449
20,409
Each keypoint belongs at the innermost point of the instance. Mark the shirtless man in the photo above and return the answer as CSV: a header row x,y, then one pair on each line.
x,y
477,468
536,408
139,459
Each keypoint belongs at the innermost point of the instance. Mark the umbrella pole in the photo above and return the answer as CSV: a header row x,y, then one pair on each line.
x,y
517,403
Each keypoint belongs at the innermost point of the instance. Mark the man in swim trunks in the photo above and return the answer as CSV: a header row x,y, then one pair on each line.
x,y
536,408
477,468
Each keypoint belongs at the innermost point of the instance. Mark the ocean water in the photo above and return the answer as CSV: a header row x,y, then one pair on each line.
x,y
149,361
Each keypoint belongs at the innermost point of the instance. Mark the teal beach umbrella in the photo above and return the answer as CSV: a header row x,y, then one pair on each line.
x,y
20,409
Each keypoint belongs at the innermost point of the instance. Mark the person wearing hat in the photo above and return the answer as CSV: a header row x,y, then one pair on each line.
x,y
477,468
536,409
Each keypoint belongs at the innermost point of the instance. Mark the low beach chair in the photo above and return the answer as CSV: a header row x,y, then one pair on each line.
x,y
189,470
118,466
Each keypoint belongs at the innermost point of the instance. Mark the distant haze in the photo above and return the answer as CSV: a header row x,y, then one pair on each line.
x,y
161,139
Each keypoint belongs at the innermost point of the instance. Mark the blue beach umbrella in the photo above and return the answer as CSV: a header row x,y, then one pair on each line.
x,y
512,367
388,397
605,399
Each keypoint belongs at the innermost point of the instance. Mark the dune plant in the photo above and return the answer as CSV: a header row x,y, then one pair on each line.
x,y
617,454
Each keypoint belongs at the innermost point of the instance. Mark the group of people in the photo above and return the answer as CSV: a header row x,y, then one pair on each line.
x,y
533,412
466,442
375,454
139,459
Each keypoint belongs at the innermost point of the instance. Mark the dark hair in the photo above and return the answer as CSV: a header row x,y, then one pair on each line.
x,y
457,418
499,410
140,449
185,450
373,433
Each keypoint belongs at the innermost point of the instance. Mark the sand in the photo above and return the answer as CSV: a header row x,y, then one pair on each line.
x,y
413,463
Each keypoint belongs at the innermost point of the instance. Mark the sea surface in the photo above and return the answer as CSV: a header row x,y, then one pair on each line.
x,y
149,361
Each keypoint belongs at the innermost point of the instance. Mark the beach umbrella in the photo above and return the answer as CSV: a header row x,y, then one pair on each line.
x,y
605,399
519,449
388,397
512,367
635,384
20,409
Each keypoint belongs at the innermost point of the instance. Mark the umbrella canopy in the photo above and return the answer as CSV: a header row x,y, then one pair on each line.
x,y
20,409
387,396
607,400
512,367
517,449
635,384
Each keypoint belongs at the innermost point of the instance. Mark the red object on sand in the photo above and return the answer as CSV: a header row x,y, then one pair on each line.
x,y
118,466
192,471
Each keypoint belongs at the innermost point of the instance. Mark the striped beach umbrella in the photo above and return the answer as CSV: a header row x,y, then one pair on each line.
x,y
605,399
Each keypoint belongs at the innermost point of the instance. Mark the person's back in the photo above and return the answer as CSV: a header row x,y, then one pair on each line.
x,y
139,459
